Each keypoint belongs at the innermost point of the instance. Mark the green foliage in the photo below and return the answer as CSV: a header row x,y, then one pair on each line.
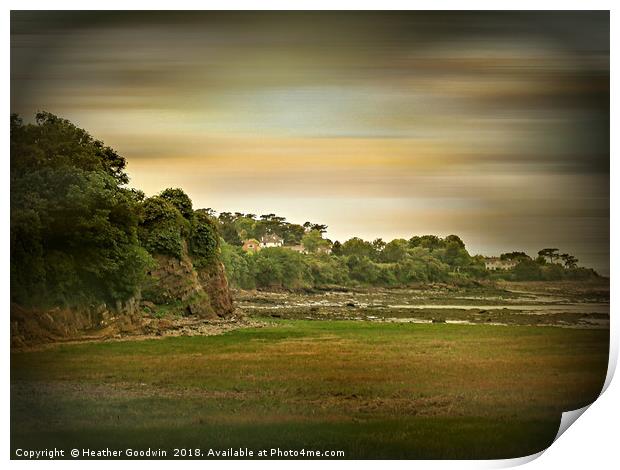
x,y
73,226
430,242
550,254
514,255
180,200
313,241
163,228
357,247
204,240
327,270
527,270
229,233
454,239
552,272
279,267
53,142
394,251
421,266
454,255
362,269
292,234
237,227
399,262
569,260
270,267
238,267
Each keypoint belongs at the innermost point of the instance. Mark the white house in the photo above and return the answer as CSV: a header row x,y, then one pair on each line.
x,y
271,240
494,263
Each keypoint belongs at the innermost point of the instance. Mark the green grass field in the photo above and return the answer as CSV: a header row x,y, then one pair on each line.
x,y
374,390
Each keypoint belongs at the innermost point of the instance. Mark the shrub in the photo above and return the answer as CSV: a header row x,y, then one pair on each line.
x,y
204,239
163,228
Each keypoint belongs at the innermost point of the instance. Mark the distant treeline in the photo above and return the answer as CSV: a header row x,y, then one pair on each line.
x,y
397,263
400,262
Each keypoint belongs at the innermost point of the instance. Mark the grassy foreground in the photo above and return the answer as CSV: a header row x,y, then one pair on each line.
x,y
374,390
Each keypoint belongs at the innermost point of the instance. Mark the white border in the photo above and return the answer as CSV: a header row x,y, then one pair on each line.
x,y
591,442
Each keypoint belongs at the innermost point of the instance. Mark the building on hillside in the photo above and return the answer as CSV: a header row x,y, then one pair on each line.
x,y
251,245
493,263
324,249
271,240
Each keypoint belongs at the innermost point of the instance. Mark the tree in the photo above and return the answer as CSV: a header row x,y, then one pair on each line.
x,y
229,234
455,255
180,200
53,142
394,251
293,234
279,267
73,223
313,240
210,212
431,242
238,267
549,253
527,270
163,228
319,228
358,247
203,240
378,244
569,260
514,255
226,217
420,265
362,269
454,239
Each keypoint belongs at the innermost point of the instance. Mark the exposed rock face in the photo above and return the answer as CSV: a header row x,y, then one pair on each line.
x,y
215,284
30,326
173,282
203,292
174,286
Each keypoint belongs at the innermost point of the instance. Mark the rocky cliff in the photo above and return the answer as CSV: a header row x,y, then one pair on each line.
x,y
176,285
32,326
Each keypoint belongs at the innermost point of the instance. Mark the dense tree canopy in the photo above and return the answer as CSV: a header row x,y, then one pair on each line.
x,y
204,241
163,228
180,200
73,224
399,262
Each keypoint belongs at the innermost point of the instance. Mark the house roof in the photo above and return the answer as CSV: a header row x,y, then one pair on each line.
x,y
271,238
251,240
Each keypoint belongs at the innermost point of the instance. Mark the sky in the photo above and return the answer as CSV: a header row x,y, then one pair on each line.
x,y
490,125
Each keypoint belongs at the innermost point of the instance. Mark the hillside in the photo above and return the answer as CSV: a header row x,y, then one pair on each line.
x,y
87,252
